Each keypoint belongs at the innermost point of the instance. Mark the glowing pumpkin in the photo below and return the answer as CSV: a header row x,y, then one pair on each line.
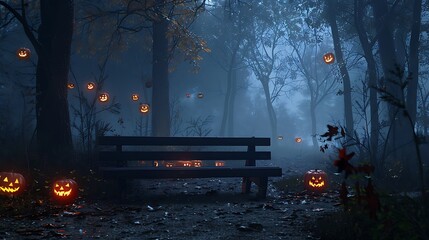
x,y
316,180
135,97
11,184
187,164
144,108
103,97
198,164
65,191
298,140
23,53
90,86
70,85
169,164
329,58
219,163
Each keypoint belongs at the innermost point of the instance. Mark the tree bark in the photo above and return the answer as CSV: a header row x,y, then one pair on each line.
x,y
53,121
160,88
348,109
372,81
230,125
413,67
400,144
271,113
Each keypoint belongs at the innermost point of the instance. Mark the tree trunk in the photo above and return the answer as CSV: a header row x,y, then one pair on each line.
x,y
372,81
400,143
413,67
348,110
160,88
271,113
230,124
313,124
53,121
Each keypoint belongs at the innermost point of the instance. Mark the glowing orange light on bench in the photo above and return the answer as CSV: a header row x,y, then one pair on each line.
x,y
219,163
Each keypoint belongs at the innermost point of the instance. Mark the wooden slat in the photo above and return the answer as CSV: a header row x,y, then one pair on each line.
x,y
206,172
181,155
182,141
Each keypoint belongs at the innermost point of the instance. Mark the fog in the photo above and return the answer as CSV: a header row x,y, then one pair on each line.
x,y
233,55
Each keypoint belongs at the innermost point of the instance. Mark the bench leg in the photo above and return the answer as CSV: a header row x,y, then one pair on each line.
x,y
245,185
262,187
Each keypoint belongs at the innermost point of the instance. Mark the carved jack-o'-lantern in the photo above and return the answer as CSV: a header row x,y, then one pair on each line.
x,y
219,163
65,191
23,53
144,108
70,85
198,163
316,180
329,58
298,139
135,97
200,95
187,164
11,184
103,97
169,164
90,86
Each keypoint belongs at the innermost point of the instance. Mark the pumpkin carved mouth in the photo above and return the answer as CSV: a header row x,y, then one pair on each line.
x,y
62,193
316,184
9,189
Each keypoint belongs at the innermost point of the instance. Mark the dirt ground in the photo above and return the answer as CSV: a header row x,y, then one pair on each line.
x,y
175,209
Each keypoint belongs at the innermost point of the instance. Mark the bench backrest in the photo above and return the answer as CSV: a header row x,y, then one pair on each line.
x,y
121,155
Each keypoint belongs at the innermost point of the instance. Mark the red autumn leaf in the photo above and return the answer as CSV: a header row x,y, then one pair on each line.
x,y
343,162
332,131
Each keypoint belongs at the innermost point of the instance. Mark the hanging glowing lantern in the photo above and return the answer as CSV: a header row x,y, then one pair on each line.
x,y
316,180
11,183
144,108
90,86
298,139
23,53
135,97
103,97
70,85
329,58
200,95
64,191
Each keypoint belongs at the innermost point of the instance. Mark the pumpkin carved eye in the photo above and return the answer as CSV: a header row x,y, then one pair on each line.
x,y
12,184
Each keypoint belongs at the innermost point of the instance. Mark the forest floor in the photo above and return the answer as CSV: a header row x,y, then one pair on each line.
x,y
178,209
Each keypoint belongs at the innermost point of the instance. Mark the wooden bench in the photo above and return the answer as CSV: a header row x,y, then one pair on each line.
x,y
115,160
